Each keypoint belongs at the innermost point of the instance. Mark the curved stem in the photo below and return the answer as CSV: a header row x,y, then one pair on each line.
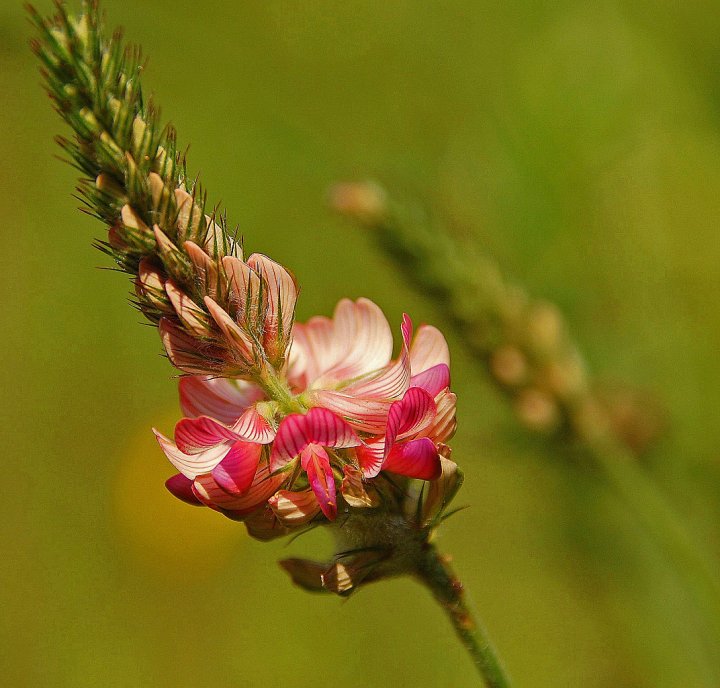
x,y
435,573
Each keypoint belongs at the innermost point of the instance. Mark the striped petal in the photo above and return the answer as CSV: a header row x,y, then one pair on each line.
x,y
192,465
414,459
195,435
367,415
247,295
191,315
254,427
294,508
238,339
219,398
236,471
361,342
428,349
444,424
187,353
264,485
393,380
281,297
370,457
316,463
410,416
433,380
318,426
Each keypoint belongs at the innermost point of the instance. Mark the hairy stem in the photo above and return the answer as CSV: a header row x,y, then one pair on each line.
x,y
435,573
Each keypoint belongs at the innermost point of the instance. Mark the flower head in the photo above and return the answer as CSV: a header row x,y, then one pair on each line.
x,y
340,418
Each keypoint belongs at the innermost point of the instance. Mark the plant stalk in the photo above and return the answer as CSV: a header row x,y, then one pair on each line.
x,y
435,573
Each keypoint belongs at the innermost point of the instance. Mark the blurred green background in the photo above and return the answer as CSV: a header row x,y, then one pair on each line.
x,y
577,143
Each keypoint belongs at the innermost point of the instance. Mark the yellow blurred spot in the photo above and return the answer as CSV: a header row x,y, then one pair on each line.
x,y
161,533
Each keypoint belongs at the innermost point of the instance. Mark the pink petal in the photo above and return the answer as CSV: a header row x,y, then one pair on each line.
x,y
367,415
187,353
263,486
415,459
207,269
194,435
315,461
428,349
294,508
238,339
281,297
410,416
434,380
392,381
181,487
317,426
254,427
370,457
443,427
219,398
247,294
192,465
192,316
317,345
361,342
236,471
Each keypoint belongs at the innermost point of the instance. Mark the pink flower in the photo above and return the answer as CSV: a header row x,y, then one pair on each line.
x,y
351,412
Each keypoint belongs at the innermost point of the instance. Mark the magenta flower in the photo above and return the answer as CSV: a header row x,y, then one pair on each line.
x,y
351,412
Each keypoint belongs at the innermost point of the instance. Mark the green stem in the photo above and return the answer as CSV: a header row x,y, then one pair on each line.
x,y
435,573
278,390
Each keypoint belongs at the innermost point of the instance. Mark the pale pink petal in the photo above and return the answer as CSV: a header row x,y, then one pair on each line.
x,y
361,342
428,349
317,426
187,353
281,297
391,382
367,415
322,349
415,459
238,339
254,427
443,427
236,471
263,486
151,284
194,435
191,315
247,294
219,398
294,508
355,491
188,212
192,465
316,463
434,380
181,487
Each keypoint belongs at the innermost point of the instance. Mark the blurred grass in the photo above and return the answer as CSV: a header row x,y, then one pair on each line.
x,y
578,144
